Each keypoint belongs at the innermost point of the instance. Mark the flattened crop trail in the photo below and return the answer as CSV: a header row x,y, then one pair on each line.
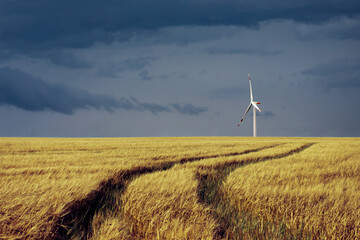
x,y
75,222
76,219
198,158
210,193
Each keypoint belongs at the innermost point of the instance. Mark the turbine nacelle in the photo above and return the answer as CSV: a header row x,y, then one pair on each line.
x,y
255,105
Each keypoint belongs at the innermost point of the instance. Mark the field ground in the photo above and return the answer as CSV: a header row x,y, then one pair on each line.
x,y
180,188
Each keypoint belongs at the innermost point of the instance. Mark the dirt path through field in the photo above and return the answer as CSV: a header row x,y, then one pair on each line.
x,y
76,219
211,194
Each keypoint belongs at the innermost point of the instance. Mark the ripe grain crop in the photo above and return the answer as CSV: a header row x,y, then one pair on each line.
x,y
311,194
127,188
166,207
41,178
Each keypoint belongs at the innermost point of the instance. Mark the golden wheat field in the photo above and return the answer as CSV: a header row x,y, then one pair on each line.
x,y
180,188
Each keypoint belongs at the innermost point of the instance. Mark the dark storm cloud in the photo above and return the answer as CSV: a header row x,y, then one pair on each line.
x,y
21,90
339,73
26,92
247,51
189,109
27,26
33,94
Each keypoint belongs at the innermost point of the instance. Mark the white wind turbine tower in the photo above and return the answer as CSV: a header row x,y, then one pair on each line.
x,y
254,104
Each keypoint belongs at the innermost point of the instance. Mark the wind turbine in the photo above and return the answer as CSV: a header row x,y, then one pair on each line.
x,y
254,104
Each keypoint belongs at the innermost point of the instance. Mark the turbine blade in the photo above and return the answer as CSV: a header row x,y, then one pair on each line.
x,y
251,94
247,110
255,106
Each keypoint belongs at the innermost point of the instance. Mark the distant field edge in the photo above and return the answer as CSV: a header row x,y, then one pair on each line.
x,y
194,137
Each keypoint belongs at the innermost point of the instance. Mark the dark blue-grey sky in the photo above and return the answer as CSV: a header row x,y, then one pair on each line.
x,y
178,68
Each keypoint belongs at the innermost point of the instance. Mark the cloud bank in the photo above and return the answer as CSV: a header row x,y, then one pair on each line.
x,y
43,24
26,92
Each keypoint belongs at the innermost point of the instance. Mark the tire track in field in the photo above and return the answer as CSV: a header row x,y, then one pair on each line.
x,y
211,194
76,220
193,159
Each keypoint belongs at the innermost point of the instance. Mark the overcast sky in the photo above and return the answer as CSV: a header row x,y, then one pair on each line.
x,y
179,68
